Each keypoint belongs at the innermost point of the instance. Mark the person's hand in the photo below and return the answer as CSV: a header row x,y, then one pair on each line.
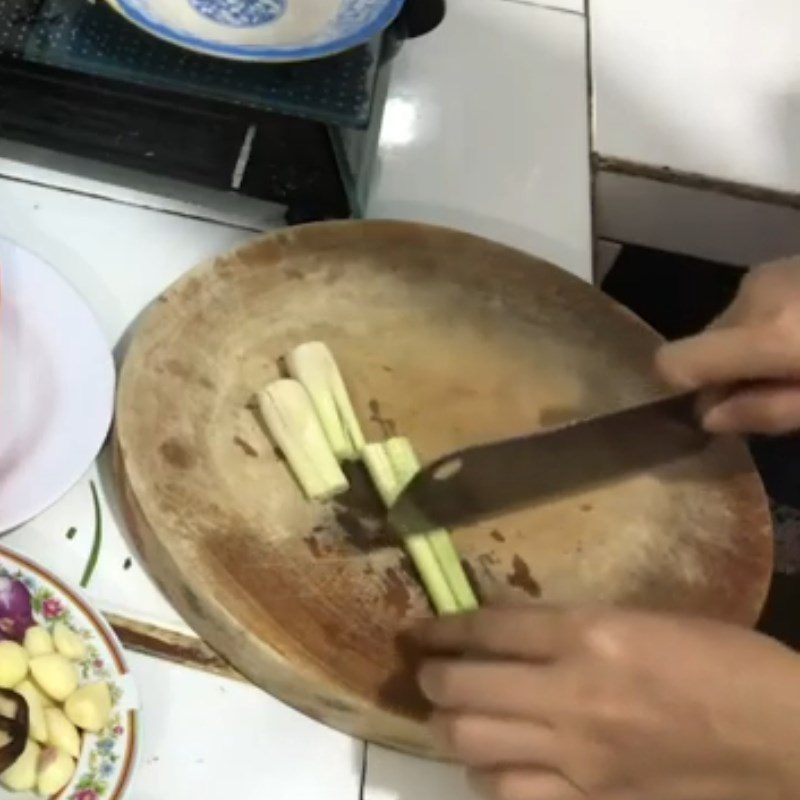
x,y
748,361
546,704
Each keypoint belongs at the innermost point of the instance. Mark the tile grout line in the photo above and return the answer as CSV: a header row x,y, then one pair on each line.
x,y
737,190
591,114
364,759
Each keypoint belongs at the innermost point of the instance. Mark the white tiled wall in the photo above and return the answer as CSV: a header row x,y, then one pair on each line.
x,y
486,130
711,87
698,223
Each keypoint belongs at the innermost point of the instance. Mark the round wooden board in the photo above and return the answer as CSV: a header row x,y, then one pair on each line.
x,y
451,340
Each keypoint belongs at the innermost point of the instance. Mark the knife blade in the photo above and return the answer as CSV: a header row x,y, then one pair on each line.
x,y
488,479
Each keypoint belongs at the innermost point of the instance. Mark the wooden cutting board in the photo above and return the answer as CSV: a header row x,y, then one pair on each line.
x,y
446,338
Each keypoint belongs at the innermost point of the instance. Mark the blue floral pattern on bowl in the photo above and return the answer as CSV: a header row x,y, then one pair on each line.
x,y
352,23
240,13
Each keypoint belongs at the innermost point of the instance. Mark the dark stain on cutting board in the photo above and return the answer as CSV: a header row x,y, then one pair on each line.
x,y
388,427
397,595
521,578
314,546
177,454
245,446
472,577
360,512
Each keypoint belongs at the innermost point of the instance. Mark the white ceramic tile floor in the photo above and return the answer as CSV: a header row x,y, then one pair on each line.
x,y
36,165
119,257
119,583
710,87
391,776
205,737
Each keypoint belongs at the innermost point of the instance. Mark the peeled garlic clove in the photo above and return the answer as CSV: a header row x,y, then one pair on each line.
x,y
37,728
30,684
57,676
61,733
90,707
8,708
21,775
38,642
47,701
68,643
13,664
56,769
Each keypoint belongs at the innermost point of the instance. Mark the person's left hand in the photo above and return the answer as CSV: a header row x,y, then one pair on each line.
x,y
548,704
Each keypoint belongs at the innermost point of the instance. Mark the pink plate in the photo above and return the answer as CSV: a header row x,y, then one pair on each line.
x,y
56,386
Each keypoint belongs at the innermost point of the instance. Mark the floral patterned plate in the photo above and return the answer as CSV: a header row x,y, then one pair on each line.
x,y
108,759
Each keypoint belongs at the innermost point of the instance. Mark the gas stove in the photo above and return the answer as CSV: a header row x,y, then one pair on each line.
x,y
76,77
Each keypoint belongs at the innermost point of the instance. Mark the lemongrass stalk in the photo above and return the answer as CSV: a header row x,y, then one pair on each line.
x,y
380,470
406,465
313,364
417,545
293,423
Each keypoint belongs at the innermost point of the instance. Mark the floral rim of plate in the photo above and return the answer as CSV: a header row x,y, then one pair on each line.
x,y
107,759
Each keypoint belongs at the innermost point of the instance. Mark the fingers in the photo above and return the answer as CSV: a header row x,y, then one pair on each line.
x,y
482,741
768,408
729,355
503,688
524,784
529,633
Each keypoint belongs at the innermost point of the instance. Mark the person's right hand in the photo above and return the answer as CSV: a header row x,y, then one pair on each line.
x,y
747,363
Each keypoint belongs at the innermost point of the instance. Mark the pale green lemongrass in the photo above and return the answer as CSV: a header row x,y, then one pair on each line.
x,y
293,424
315,367
406,465
417,545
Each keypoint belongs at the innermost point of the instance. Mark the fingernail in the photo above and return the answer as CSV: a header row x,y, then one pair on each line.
x,y
423,681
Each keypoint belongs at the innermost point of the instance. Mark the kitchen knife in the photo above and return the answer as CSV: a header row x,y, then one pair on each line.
x,y
486,480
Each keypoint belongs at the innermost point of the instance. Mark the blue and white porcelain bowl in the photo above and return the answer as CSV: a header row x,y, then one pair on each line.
x,y
262,30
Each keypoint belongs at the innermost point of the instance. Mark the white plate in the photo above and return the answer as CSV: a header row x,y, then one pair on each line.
x,y
56,386
108,759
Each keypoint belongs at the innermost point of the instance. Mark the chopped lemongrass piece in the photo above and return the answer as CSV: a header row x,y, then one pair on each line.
x,y
416,544
436,584
376,459
314,366
293,424
405,466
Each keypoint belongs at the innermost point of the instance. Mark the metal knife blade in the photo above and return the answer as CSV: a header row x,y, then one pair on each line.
x,y
489,479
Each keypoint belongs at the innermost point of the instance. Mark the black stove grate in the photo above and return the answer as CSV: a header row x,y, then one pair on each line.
x,y
76,77
92,39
